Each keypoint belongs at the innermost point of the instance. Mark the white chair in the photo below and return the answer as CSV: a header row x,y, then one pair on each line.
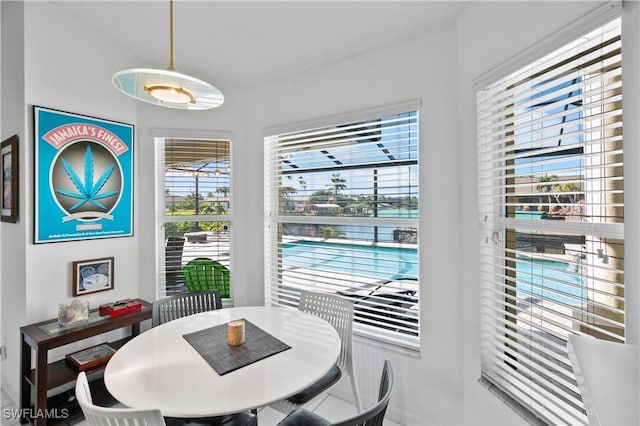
x,y
108,416
338,312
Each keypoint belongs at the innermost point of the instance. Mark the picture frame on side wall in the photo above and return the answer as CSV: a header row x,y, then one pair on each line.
x,y
83,177
92,276
9,179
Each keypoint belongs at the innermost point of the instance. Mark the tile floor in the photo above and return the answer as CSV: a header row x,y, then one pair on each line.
x,y
332,408
6,417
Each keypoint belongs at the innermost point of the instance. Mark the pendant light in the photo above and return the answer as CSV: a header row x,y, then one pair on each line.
x,y
168,88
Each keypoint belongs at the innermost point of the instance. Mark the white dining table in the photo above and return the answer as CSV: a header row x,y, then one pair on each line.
x,y
160,369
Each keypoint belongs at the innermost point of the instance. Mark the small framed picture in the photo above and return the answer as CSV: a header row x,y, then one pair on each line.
x,y
93,275
9,179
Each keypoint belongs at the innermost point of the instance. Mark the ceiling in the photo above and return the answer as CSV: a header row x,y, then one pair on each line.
x,y
247,43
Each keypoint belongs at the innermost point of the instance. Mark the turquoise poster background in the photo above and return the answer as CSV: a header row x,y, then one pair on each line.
x,y
83,177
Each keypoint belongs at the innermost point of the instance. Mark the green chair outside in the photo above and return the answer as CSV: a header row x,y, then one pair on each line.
x,y
202,274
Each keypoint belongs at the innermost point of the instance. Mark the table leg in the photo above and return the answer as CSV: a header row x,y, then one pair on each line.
x,y
25,386
42,369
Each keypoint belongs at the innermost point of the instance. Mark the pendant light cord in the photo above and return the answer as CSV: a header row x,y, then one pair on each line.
x,y
171,65
168,88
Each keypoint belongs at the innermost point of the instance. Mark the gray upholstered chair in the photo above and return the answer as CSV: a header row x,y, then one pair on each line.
x,y
372,416
184,304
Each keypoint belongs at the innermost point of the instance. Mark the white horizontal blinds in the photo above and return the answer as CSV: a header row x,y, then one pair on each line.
x,y
340,165
195,166
551,211
342,210
196,213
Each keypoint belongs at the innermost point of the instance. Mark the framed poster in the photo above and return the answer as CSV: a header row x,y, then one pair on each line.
x,y
83,177
9,179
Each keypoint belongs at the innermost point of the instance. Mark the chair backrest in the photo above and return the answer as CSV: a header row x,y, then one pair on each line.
x,y
338,312
206,274
173,258
107,416
374,415
181,305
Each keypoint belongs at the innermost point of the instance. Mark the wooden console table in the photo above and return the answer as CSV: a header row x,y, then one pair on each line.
x,y
46,335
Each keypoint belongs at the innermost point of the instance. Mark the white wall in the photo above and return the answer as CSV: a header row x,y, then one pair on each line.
x,y
230,117
490,34
428,389
68,67
12,242
65,66
631,105
441,387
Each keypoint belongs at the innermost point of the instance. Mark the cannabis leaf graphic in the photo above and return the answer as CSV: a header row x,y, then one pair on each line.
x,y
89,191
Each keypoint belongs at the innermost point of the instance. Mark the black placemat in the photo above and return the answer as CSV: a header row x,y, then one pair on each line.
x,y
211,344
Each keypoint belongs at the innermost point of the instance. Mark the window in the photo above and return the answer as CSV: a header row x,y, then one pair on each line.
x,y
551,209
342,217
194,211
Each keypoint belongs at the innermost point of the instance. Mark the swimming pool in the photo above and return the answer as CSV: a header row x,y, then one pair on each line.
x,y
379,262
550,279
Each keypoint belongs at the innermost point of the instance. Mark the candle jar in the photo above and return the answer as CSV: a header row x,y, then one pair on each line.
x,y
235,332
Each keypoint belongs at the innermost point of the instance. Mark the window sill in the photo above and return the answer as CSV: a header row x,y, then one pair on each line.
x,y
387,341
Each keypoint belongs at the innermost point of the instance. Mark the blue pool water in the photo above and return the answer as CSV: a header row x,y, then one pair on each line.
x,y
535,278
379,262
549,279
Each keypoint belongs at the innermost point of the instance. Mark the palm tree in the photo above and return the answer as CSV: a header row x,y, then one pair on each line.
x,y
338,183
572,188
302,183
285,191
224,190
546,186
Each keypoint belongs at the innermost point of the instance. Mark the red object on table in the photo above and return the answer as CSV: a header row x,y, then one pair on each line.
x,y
120,307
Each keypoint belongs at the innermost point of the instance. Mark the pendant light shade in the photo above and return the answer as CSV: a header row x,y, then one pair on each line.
x,y
168,88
